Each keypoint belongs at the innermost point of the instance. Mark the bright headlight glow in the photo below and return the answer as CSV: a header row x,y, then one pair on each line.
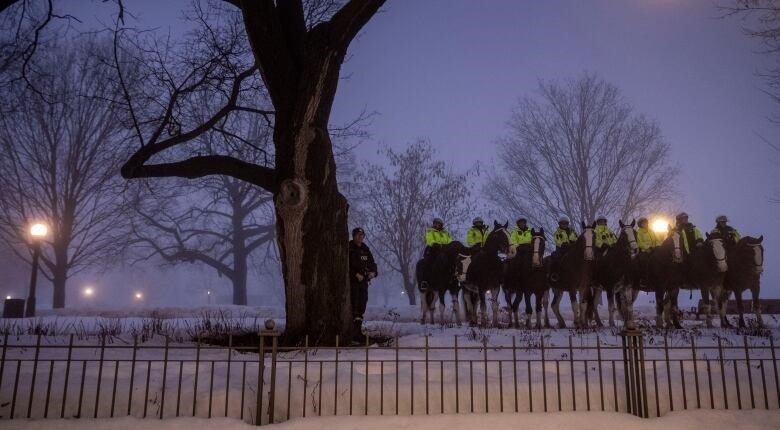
x,y
660,225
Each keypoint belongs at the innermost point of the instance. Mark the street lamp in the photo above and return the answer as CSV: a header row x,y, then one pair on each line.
x,y
89,291
37,232
139,296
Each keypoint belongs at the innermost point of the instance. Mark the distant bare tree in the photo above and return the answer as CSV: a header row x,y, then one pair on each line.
x,y
397,200
234,219
579,150
59,161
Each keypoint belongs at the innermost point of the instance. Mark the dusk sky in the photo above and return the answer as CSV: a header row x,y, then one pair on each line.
x,y
452,70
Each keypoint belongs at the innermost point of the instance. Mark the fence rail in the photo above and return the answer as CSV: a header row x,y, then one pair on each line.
x,y
47,377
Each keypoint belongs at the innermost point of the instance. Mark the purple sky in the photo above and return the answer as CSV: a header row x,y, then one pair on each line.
x,y
451,71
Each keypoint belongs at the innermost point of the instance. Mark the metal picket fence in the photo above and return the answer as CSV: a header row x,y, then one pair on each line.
x,y
45,377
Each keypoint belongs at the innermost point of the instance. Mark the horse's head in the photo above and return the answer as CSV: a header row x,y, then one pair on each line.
x,y
498,239
717,251
627,239
585,241
462,267
537,244
752,247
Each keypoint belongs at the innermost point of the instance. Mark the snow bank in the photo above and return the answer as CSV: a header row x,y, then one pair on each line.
x,y
688,420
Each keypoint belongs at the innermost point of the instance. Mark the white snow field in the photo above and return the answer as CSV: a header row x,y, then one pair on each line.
x,y
685,420
420,374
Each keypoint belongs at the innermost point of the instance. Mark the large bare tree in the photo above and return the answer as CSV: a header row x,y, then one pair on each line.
x,y
398,199
59,161
297,50
580,150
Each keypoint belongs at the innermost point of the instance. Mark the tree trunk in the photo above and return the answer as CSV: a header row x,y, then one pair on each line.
x,y
312,234
410,288
239,282
59,280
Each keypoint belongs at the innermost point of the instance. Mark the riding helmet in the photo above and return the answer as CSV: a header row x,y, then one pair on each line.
x,y
721,218
477,221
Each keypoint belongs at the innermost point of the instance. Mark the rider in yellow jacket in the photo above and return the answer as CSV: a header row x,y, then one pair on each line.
x,y
603,235
690,235
646,239
520,235
437,235
564,236
477,234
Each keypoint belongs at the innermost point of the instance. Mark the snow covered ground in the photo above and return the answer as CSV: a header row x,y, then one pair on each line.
x,y
494,369
686,420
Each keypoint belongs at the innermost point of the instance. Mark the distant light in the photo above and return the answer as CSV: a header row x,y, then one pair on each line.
x,y
139,296
660,225
403,292
208,292
38,230
8,297
89,291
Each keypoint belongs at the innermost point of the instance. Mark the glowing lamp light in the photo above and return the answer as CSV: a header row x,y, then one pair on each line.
x,y
660,225
89,291
139,296
8,297
38,230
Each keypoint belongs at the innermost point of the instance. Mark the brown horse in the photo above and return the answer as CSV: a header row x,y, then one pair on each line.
x,y
576,272
746,263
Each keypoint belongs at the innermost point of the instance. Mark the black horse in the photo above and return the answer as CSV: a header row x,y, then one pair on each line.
x,y
526,276
661,271
575,275
616,273
440,279
746,263
484,272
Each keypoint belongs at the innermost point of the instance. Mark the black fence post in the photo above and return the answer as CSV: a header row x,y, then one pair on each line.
x,y
634,367
270,332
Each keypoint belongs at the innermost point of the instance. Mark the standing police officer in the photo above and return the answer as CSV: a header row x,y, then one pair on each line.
x,y
362,269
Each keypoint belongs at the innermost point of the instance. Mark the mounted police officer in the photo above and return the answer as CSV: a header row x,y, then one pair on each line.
x,y
646,238
564,237
362,268
729,234
604,237
435,237
520,235
689,234
477,234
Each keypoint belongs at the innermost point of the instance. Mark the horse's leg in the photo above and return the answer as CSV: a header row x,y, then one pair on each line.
x,y
595,304
740,309
721,295
442,307
423,306
528,309
611,305
755,289
575,307
626,306
662,304
456,305
556,307
705,297
494,292
545,300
